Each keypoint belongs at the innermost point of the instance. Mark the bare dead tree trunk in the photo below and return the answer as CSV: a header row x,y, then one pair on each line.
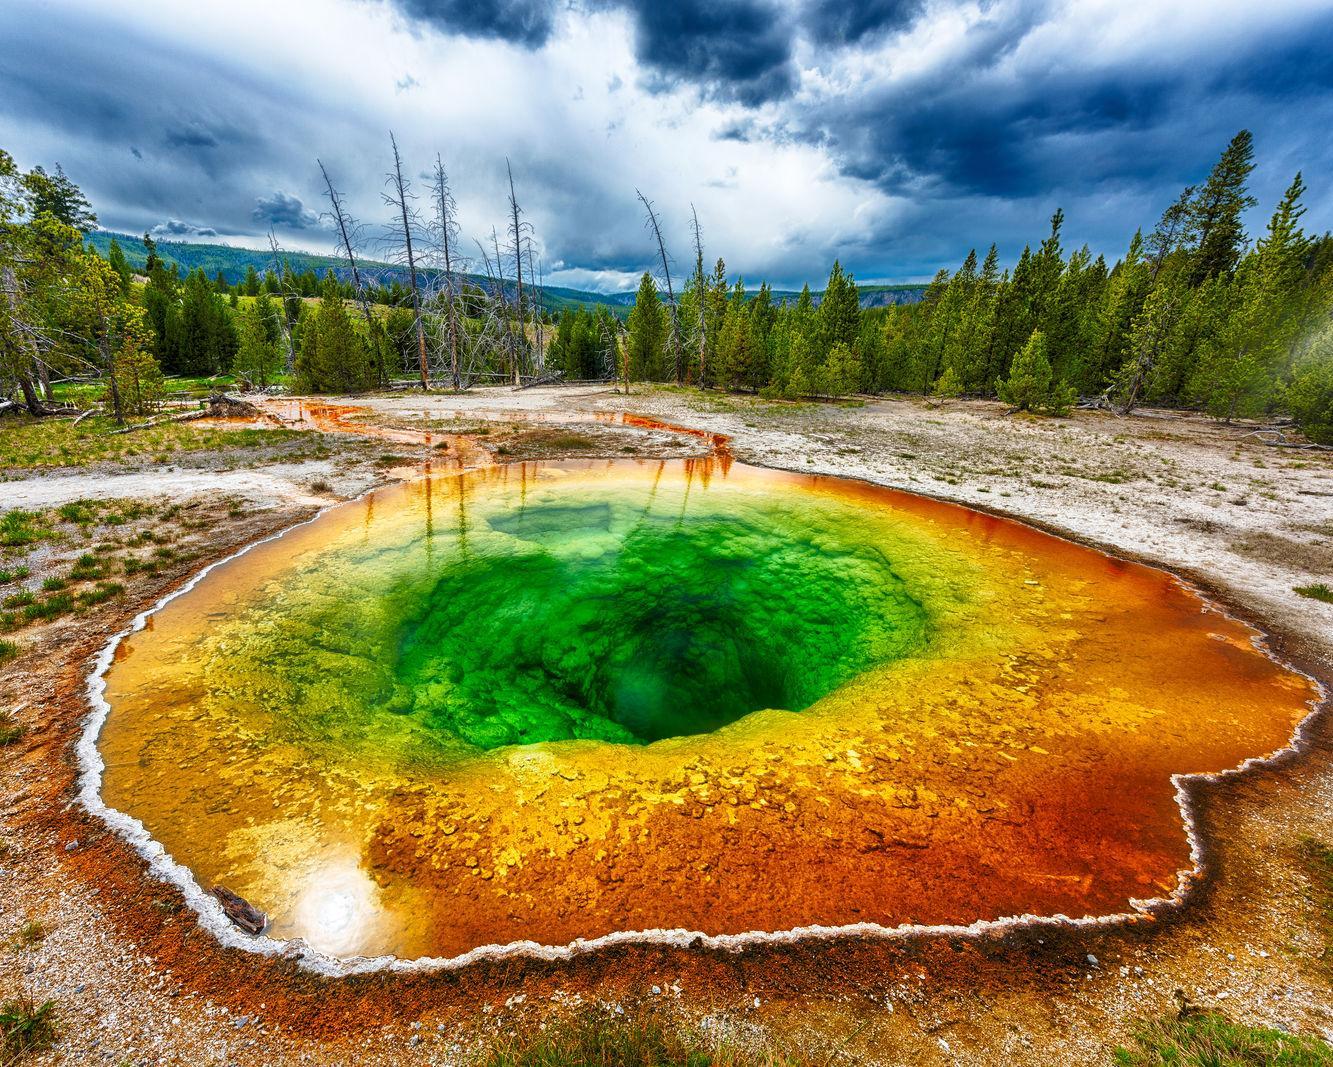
x,y
30,398
676,352
538,286
499,284
701,289
24,345
445,205
516,232
400,188
281,275
346,226
44,380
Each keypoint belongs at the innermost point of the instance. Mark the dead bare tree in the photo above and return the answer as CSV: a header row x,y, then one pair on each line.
x,y
492,342
280,272
348,230
701,288
517,230
537,276
677,354
448,237
399,197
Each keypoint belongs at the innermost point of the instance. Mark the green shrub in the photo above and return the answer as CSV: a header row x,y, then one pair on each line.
x,y
1032,385
1310,399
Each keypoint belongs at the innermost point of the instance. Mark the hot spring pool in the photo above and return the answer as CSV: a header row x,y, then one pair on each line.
x,y
544,702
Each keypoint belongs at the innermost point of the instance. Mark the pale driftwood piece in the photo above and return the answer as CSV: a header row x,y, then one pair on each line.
x,y
162,420
240,911
83,416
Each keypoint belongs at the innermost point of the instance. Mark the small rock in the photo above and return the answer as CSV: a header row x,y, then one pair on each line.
x,y
70,846
1092,960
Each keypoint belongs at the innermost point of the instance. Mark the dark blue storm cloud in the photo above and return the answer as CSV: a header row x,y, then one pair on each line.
x,y
972,141
522,22
284,211
740,49
733,49
837,22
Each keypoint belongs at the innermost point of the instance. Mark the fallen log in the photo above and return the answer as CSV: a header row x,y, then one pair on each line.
x,y
231,405
162,420
240,911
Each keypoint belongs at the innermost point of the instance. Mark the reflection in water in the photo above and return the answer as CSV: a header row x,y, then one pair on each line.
x,y
552,700
337,911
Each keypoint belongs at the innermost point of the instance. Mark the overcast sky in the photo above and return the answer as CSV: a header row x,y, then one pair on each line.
x,y
893,134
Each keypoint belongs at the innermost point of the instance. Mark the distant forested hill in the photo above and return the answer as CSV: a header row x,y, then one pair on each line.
x,y
234,262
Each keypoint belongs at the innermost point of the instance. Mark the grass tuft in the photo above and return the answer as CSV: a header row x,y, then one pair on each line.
x,y
8,650
30,933
19,527
1317,591
26,1027
597,1041
99,594
80,512
1197,1038
10,731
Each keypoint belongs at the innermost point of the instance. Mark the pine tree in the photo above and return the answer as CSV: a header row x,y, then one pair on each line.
x,y
838,320
1311,394
115,255
647,333
258,357
737,349
1121,301
1215,212
949,385
334,357
1031,385
1242,366
841,373
1148,337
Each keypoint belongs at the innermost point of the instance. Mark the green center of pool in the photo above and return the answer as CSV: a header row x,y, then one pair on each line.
x,y
634,628
625,611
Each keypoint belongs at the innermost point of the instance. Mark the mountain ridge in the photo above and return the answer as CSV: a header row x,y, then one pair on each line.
x,y
233,263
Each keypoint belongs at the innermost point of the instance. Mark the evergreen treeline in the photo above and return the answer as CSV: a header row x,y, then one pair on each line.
x,y
1195,314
